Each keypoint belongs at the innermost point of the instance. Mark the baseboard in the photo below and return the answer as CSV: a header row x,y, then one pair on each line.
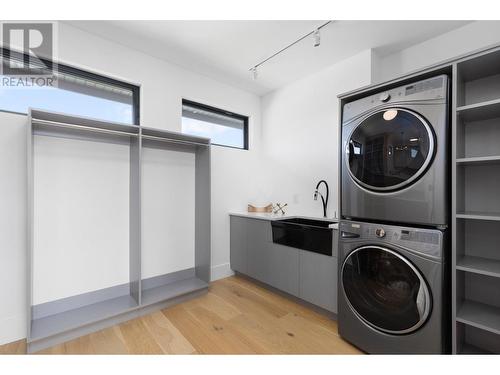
x,y
12,329
221,271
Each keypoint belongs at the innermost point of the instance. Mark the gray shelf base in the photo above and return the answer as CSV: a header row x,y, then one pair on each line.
x,y
54,324
482,266
172,290
480,315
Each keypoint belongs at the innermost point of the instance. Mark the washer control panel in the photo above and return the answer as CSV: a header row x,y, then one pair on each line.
x,y
426,241
432,90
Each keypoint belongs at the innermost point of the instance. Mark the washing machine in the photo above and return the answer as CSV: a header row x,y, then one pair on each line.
x,y
393,289
395,158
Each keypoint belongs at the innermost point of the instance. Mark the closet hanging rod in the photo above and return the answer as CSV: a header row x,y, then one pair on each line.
x,y
170,140
83,127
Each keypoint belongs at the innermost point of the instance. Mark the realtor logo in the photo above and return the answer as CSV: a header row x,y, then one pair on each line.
x,y
28,54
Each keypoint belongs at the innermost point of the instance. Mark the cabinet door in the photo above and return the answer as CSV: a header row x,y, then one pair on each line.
x,y
318,279
284,268
238,244
258,242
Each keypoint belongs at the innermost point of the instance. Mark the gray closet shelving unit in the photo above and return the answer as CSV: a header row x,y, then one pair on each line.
x,y
476,204
87,313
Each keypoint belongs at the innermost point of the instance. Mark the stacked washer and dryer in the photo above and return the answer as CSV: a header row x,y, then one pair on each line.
x,y
393,282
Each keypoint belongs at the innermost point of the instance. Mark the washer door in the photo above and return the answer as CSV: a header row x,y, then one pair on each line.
x,y
390,149
385,290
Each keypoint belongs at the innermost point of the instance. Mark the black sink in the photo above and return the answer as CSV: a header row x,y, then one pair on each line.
x,y
306,234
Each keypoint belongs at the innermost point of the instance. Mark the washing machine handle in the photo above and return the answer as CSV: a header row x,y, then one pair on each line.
x,y
421,301
348,235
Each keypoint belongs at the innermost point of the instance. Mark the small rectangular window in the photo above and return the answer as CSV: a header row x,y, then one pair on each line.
x,y
222,127
77,92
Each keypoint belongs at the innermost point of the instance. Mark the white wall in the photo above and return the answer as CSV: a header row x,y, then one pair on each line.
x,y
163,85
300,131
167,229
81,226
13,227
466,39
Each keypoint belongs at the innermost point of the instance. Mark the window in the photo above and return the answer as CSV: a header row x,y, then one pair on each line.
x,y
222,127
78,93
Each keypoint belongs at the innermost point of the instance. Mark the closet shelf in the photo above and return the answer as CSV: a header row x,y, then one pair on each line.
x,y
480,315
480,111
482,266
478,215
480,160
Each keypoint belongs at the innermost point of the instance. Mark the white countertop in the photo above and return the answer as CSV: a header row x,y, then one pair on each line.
x,y
271,216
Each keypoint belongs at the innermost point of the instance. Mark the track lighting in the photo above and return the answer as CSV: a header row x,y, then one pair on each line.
x,y
317,38
317,42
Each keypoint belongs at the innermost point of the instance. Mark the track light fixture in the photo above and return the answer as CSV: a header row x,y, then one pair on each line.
x,y
255,75
317,38
317,42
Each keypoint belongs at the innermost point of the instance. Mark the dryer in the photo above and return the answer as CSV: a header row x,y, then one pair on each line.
x,y
393,289
395,156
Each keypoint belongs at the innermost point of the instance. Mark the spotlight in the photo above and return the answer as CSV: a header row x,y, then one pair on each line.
x,y
254,73
317,38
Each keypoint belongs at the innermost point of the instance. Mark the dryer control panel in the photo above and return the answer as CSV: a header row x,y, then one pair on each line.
x,y
425,241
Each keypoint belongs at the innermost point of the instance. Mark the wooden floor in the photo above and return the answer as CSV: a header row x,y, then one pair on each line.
x,y
236,316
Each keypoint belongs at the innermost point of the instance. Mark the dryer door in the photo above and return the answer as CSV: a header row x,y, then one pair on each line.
x,y
385,290
389,149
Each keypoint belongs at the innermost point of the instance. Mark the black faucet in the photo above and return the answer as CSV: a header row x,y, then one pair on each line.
x,y
325,201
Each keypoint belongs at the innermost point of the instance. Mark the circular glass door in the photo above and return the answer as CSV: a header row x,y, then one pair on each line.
x,y
389,149
385,290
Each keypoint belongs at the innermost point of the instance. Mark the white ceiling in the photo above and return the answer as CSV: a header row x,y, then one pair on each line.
x,y
226,50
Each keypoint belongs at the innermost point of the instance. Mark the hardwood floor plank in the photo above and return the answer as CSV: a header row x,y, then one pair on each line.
x,y
223,331
169,338
192,330
137,338
107,342
16,347
80,345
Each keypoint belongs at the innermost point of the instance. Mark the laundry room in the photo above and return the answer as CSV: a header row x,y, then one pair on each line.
x,y
323,182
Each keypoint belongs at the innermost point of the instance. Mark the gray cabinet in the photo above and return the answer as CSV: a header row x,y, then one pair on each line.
x,y
318,279
258,242
238,243
307,275
283,263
